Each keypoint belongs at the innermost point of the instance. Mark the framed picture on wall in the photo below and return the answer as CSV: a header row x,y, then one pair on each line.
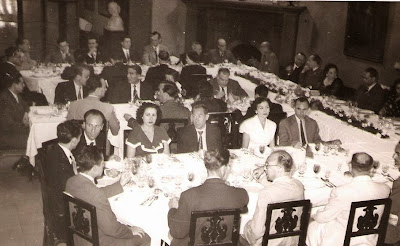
x,y
89,5
366,30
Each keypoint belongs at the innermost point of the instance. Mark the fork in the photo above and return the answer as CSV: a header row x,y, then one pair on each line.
x,y
328,183
154,198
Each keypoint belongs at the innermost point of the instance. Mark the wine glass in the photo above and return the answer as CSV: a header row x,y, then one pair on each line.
x,y
316,168
302,169
327,174
326,150
246,175
385,169
150,182
149,158
262,149
190,177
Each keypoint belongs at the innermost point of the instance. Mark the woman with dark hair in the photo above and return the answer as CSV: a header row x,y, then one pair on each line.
x,y
258,130
213,194
206,97
392,105
147,138
332,85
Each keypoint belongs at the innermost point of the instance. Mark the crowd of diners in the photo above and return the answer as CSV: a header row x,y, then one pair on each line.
x,y
76,158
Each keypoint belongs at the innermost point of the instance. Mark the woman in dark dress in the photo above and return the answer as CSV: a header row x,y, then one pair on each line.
x,y
147,138
332,85
392,105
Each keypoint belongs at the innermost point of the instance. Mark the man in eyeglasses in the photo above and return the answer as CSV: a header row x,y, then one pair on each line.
x,y
276,176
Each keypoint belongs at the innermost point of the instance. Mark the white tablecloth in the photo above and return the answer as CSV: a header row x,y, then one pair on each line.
x,y
45,85
170,174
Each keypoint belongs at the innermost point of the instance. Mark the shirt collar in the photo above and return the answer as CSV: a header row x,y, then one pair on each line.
x,y
67,152
362,178
88,177
125,49
202,129
371,86
10,63
15,95
88,141
315,69
282,178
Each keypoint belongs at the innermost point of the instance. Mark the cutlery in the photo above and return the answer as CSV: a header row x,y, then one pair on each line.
x,y
328,183
387,175
148,199
151,202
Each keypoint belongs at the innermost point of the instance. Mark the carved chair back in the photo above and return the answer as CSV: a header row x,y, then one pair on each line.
x,y
214,227
173,124
229,128
81,223
368,217
287,219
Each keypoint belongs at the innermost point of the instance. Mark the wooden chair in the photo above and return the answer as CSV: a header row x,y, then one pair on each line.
x,y
229,127
81,223
173,124
288,225
214,227
369,222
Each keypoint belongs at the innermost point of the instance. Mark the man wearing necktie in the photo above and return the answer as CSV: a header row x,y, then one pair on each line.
x,y
226,88
298,130
200,135
152,51
60,165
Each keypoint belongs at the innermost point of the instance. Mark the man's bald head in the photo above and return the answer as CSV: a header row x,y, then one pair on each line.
x,y
361,163
221,44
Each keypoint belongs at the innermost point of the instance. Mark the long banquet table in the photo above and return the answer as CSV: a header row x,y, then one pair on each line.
x,y
170,175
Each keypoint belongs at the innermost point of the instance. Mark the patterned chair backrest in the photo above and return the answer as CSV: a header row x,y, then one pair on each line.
x,y
81,222
229,128
287,222
214,227
368,218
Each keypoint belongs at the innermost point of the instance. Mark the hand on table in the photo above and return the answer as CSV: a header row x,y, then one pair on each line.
x,y
258,172
137,231
125,178
127,116
173,203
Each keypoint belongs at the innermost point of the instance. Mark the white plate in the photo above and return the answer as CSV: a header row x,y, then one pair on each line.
x,y
45,111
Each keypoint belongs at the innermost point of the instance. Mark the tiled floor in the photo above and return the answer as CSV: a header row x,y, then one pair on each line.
x,y
21,217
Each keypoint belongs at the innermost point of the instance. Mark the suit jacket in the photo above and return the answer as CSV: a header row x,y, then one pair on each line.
x,y
312,79
289,131
100,142
269,63
65,92
232,87
77,110
189,78
393,232
213,104
294,75
330,223
83,56
188,141
111,232
212,194
55,57
373,100
120,55
120,92
12,113
114,74
7,69
155,75
174,110
283,189
214,57
149,57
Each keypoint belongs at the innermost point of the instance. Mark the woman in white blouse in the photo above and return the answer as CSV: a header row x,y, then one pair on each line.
x,y
258,130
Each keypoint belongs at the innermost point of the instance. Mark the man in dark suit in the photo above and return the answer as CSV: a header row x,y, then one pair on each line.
x,y
292,71
312,75
62,54
93,133
75,88
191,74
221,54
157,74
199,135
299,129
14,58
223,86
91,54
81,186
14,121
130,88
213,194
370,95
152,51
126,53
59,166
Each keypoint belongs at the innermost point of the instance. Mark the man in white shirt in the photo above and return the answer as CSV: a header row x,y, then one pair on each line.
x,y
284,188
82,186
329,225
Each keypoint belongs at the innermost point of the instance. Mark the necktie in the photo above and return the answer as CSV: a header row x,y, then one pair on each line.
x,y
134,93
128,58
155,52
80,93
302,135
94,56
225,92
73,162
200,140
92,144
222,54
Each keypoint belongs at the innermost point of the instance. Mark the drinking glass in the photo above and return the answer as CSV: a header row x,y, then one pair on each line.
x,y
190,177
262,149
385,169
302,169
247,175
149,158
150,182
316,168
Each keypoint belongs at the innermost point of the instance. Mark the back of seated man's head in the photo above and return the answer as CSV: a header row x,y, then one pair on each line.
x,y
261,91
93,123
361,163
170,88
13,79
205,89
163,55
278,164
68,131
89,157
93,84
